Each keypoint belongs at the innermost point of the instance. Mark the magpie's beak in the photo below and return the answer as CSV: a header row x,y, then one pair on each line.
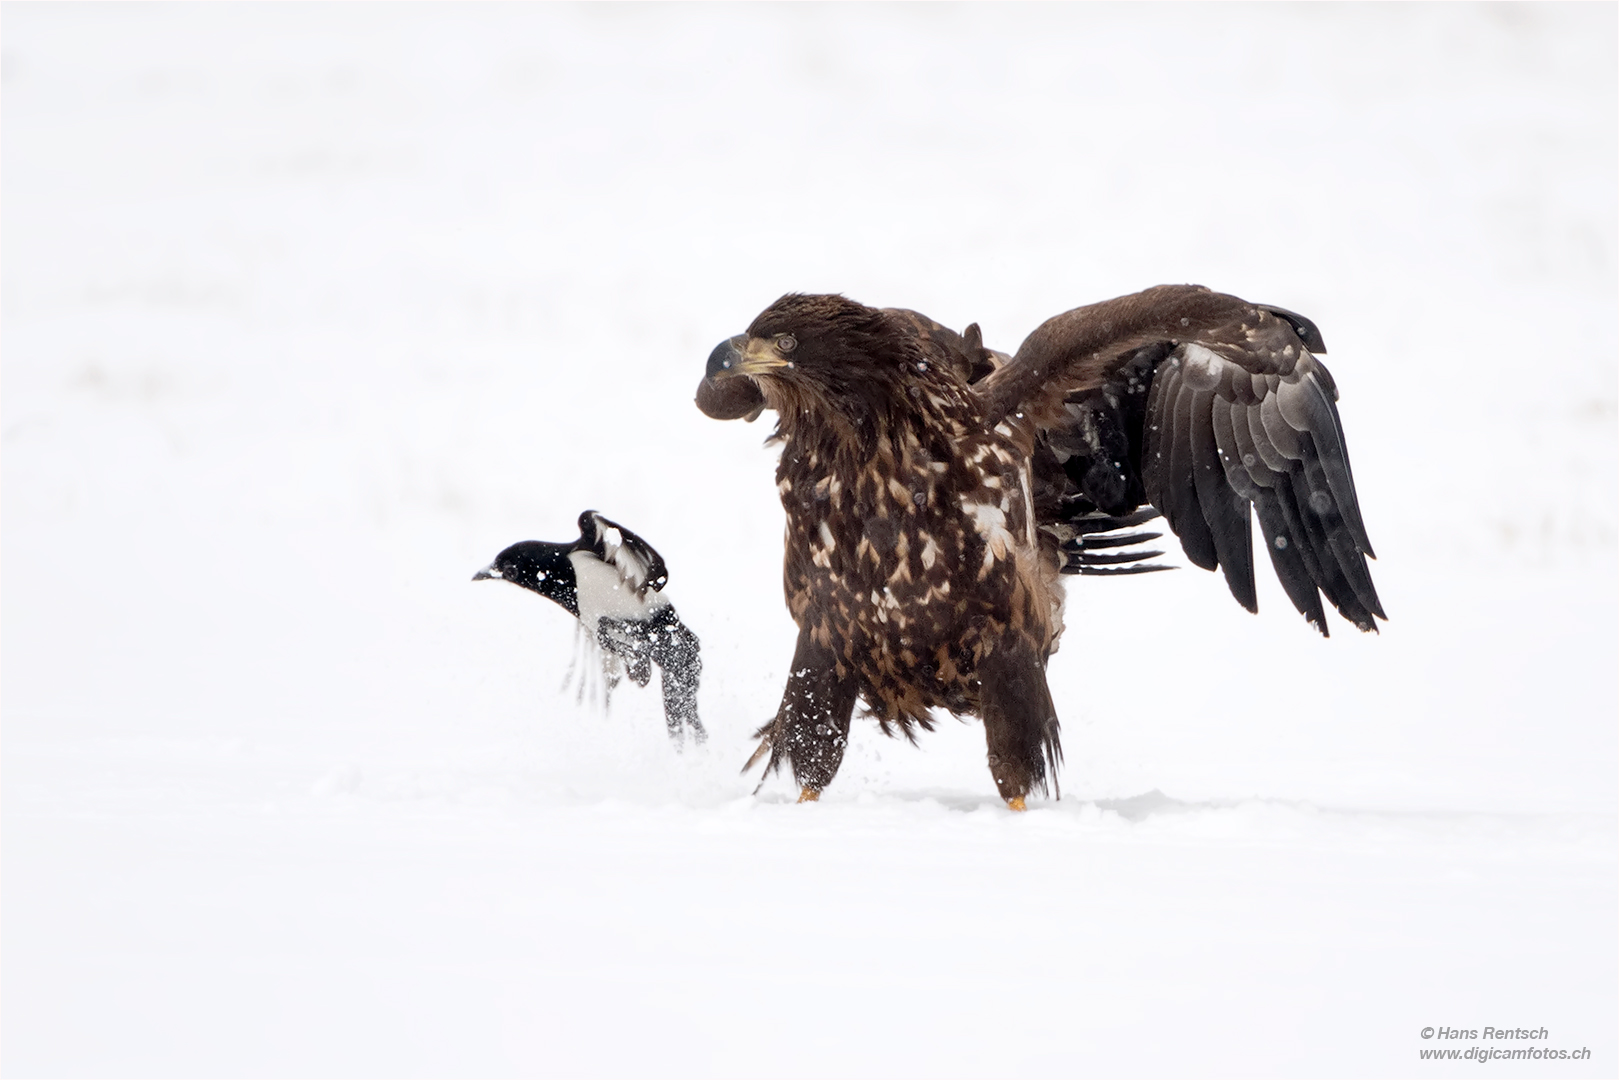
x,y
490,571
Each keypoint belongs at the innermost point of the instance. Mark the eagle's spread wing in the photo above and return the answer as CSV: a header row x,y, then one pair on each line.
x,y
638,564
1203,405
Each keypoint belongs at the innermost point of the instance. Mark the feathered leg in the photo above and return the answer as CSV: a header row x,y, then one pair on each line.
x,y
1020,723
811,729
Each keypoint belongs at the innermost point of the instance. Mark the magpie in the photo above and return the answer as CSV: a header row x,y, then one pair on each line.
x,y
612,581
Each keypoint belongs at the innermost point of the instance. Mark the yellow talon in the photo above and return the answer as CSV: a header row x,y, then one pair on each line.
x,y
1016,804
809,794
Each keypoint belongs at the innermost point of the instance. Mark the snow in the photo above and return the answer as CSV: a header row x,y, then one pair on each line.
x,y
307,309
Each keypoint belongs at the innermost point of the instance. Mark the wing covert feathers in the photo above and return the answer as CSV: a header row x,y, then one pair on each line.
x,y
638,564
1239,413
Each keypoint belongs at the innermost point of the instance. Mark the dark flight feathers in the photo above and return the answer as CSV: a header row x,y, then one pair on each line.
x,y
1238,411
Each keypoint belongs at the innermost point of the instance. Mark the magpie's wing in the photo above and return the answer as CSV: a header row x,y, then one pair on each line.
x,y
638,564
1203,405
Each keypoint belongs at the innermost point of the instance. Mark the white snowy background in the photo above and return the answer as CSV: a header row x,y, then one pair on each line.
x,y
309,310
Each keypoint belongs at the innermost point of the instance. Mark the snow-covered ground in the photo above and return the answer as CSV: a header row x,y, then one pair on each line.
x,y
309,310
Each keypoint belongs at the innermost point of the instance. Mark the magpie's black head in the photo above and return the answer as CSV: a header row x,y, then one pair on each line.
x,y
539,566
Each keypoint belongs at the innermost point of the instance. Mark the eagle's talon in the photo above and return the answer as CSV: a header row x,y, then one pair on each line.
x,y
1016,804
760,751
809,794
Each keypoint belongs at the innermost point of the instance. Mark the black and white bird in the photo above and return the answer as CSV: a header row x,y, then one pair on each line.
x,y
612,581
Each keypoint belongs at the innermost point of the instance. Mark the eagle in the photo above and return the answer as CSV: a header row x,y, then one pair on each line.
x,y
937,490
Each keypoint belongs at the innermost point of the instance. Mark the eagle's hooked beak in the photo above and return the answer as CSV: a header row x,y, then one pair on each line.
x,y
743,355
725,397
726,359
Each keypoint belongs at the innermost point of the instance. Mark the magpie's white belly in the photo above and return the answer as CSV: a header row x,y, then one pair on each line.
x,y
603,593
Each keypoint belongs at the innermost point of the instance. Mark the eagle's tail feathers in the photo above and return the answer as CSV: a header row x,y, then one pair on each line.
x,y
1099,551
1109,540
1113,571
1097,522
1096,558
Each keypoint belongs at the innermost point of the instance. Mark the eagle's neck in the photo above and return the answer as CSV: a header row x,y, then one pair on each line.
x,y
848,432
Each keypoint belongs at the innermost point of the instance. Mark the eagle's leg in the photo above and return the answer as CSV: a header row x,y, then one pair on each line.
x,y
675,651
1020,722
812,726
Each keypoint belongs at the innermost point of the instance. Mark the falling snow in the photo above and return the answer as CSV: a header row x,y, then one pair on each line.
x,y
309,308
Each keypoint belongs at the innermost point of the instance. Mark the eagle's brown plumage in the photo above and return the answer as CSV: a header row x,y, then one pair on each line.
x,y
935,490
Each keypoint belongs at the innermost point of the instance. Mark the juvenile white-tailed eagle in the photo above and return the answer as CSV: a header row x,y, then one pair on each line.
x,y
935,490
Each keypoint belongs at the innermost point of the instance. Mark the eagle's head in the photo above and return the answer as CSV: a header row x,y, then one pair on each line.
x,y
812,356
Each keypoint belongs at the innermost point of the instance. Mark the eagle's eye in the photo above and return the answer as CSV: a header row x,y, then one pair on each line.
x,y
786,343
